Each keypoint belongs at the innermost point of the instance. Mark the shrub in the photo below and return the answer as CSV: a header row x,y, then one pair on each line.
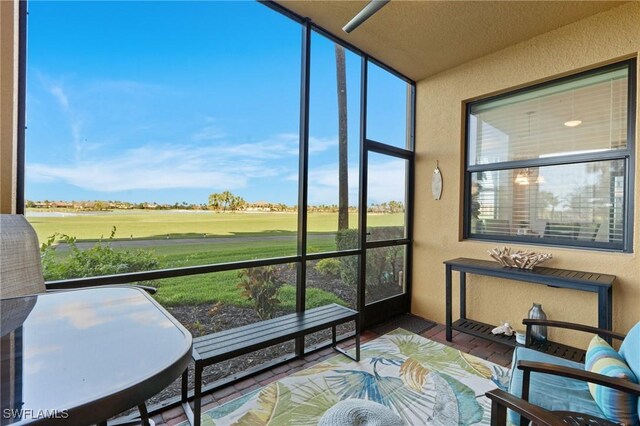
x,y
101,259
382,263
260,286
383,267
347,239
329,267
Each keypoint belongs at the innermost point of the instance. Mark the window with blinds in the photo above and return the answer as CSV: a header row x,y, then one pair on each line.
x,y
552,164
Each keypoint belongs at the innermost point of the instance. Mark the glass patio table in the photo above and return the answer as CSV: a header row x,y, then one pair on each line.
x,y
83,356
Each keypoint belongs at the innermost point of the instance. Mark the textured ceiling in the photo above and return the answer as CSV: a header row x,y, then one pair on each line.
x,y
422,38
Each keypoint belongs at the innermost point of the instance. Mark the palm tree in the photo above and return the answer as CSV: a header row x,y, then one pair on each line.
x,y
343,160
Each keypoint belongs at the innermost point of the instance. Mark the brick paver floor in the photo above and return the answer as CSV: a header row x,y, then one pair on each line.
x,y
495,352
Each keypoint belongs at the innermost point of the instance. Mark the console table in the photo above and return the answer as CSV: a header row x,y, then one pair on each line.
x,y
602,284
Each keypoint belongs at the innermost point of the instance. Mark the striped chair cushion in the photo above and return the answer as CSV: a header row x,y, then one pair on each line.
x,y
618,406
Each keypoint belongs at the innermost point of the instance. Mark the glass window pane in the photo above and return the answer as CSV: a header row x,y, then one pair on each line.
x,y
214,302
385,273
192,238
333,280
334,145
578,115
388,108
573,202
184,141
386,193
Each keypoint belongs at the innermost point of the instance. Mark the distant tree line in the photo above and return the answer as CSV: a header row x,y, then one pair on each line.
x,y
101,205
387,207
218,201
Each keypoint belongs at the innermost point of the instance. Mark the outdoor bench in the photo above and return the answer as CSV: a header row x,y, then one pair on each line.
x,y
228,344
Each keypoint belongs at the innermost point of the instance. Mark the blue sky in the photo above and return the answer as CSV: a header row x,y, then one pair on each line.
x,y
170,101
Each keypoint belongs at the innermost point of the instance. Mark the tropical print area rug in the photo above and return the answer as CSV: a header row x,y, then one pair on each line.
x,y
424,382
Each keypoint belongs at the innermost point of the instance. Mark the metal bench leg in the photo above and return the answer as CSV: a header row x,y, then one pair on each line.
x,y
342,351
184,398
358,339
197,394
144,415
185,386
191,414
333,336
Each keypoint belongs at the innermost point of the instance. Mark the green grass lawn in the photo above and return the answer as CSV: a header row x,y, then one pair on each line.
x,y
223,286
214,287
195,254
175,224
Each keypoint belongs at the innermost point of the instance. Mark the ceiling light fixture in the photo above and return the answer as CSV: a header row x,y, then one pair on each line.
x,y
526,176
573,123
522,178
365,13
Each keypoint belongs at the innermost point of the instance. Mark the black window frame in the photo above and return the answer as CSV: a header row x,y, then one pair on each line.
x,y
301,258
627,155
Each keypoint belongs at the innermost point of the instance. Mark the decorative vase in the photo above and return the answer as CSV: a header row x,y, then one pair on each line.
x,y
538,332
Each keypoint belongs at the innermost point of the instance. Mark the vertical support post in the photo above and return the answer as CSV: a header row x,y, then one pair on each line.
x,y
411,190
448,318
303,177
362,201
22,113
463,294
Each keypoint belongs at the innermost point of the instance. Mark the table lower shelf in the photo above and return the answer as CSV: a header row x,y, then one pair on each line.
x,y
483,330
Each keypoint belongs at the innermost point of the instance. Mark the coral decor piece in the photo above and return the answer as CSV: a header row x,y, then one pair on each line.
x,y
505,329
519,259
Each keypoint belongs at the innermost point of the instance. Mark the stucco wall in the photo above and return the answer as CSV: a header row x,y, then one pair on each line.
x,y
7,106
599,39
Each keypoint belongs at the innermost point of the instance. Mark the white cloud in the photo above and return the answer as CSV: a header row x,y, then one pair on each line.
x,y
75,124
323,185
219,166
206,157
209,133
170,166
321,144
58,92
385,184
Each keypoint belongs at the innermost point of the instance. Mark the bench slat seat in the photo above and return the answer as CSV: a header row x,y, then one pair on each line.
x,y
234,342
249,338
263,325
